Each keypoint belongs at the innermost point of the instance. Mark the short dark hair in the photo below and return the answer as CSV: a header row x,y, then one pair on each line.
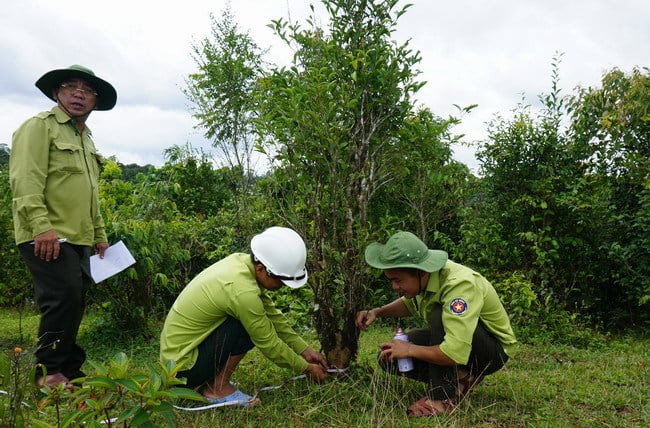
x,y
255,260
411,271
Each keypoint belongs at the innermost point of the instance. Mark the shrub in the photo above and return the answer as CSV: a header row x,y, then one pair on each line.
x,y
115,396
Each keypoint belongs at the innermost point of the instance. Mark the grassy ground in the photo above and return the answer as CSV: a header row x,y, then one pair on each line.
x,y
541,386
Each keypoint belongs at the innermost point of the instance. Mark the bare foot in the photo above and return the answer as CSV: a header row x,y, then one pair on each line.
x,y
466,382
427,407
53,380
212,392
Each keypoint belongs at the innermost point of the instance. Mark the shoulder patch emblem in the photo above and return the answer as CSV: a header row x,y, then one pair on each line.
x,y
458,306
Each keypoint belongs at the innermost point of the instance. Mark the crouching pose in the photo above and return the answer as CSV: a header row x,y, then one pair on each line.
x,y
226,311
468,334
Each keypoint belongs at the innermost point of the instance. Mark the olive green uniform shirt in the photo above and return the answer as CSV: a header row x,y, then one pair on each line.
x,y
229,288
466,297
54,173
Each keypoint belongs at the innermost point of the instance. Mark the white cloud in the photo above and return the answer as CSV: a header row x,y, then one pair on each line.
x,y
141,133
485,52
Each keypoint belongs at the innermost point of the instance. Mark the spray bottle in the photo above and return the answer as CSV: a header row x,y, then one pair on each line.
x,y
403,364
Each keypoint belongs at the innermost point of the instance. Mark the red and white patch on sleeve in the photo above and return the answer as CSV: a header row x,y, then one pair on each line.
x,y
458,306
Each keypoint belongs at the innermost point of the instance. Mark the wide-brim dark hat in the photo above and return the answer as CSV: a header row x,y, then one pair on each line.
x,y
405,250
106,94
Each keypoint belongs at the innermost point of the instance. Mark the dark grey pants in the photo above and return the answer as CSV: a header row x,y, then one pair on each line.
x,y
487,356
230,338
60,288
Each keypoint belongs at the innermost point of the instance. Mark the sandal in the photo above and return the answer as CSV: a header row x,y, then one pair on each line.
x,y
466,384
425,407
237,397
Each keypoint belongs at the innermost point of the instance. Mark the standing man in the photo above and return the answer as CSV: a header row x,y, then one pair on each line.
x,y
468,334
226,310
54,171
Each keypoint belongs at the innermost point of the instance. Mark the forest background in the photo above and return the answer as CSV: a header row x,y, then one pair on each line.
x,y
558,217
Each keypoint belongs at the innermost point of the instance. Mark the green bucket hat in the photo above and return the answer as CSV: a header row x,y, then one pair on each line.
x,y
106,94
405,250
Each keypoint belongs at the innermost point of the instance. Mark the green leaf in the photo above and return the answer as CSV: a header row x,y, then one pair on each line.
x,y
128,413
141,417
164,406
169,419
184,394
100,381
69,419
129,384
5,365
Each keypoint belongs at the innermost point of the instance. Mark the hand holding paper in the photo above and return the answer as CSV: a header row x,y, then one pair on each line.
x,y
116,258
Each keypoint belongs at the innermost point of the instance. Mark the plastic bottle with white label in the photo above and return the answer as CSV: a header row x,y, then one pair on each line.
x,y
403,364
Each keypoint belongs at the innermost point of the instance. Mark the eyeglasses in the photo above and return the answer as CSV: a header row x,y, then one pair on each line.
x,y
85,91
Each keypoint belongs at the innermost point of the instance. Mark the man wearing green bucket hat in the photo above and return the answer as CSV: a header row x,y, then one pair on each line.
x,y
54,171
468,334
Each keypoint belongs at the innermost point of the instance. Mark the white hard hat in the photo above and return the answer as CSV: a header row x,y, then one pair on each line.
x,y
283,253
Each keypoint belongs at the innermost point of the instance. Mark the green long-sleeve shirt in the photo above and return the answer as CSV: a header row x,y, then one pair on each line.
x,y
466,297
229,288
54,173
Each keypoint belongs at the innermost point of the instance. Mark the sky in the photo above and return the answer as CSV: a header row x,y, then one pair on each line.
x,y
494,53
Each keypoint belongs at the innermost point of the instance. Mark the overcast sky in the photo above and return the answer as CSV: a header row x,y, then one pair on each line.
x,y
485,52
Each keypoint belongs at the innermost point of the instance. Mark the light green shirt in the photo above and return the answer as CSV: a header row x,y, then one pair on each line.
x,y
466,297
53,172
228,287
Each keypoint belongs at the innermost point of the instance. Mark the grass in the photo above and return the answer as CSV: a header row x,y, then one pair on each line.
x,y
541,386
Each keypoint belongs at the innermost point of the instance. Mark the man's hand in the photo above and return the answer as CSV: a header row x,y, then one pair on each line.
x,y
314,357
316,372
395,349
46,245
365,318
100,248
401,349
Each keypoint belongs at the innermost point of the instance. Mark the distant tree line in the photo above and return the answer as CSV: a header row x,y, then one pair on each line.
x,y
4,155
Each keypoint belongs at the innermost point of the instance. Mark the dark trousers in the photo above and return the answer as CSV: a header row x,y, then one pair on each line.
x,y
486,357
60,288
230,338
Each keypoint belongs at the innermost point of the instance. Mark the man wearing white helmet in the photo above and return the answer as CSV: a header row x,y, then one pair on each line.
x,y
226,310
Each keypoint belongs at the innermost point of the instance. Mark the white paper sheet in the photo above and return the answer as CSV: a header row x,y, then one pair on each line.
x,y
116,258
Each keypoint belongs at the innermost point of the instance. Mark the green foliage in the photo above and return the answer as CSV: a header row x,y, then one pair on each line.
x,y
196,187
296,305
229,66
15,281
116,396
567,205
559,220
131,171
176,220
482,241
613,123
14,383
537,318
423,185
545,383
170,246
331,119
4,156
517,295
